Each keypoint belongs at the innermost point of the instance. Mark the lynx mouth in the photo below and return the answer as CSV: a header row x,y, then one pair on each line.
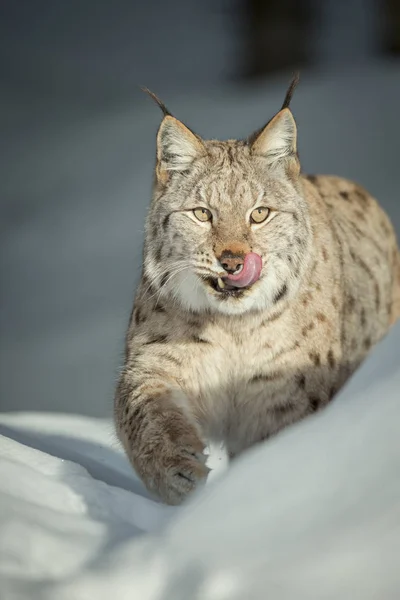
x,y
234,284
225,290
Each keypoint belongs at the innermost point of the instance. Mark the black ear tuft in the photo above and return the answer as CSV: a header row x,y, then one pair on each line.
x,y
157,100
291,89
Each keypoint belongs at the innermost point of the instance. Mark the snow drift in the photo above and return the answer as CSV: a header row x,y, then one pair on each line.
x,y
313,513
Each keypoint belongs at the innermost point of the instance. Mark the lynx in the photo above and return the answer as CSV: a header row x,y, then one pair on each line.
x,y
262,290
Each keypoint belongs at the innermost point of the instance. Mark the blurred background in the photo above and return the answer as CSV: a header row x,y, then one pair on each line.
x,y
77,150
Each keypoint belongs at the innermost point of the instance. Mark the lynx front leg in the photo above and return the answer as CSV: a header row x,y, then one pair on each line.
x,y
160,438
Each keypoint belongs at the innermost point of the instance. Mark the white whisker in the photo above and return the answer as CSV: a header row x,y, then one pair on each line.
x,y
176,271
160,269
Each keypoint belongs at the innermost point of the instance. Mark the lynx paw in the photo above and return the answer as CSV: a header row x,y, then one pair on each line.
x,y
176,469
184,474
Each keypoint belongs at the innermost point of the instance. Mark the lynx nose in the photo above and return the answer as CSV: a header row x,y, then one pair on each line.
x,y
231,263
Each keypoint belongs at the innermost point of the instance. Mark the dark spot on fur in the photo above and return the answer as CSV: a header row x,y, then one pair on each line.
x,y
344,195
172,359
198,340
137,419
324,254
165,278
154,230
315,358
312,178
350,303
301,382
231,156
139,317
358,234
295,217
307,298
367,343
266,377
307,328
362,196
335,303
321,317
270,319
157,254
331,359
157,339
363,317
135,413
283,409
314,403
286,350
165,221
280,293
360,215
147,285
318,287
377,296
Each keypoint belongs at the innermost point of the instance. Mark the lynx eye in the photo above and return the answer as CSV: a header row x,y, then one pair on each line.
x,y
260,214
202,214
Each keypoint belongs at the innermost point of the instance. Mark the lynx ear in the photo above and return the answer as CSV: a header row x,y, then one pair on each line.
x,y
177,147
277,141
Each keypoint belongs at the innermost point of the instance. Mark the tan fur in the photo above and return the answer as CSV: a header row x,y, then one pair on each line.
x,y
203,366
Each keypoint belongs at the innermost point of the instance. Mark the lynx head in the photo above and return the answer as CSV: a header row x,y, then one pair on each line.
x,y
228,228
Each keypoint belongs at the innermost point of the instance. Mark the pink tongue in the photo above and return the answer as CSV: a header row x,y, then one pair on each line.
x,y
250,272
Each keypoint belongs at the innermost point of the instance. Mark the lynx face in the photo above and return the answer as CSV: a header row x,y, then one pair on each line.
x,y
228,228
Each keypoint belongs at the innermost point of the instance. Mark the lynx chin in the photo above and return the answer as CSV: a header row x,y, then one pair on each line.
x,y
262,290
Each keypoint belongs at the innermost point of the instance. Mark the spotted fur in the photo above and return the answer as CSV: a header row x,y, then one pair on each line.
x,y
201,364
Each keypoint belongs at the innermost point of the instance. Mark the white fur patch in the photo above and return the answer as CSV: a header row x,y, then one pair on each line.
x,y
189,290
193,294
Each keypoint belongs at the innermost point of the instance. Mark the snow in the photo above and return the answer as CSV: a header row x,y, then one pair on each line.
x,y
313,513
